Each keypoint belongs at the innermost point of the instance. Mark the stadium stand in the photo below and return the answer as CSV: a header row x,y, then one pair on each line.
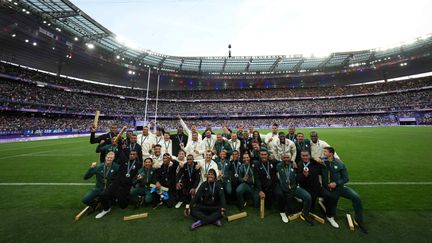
x,y
66,105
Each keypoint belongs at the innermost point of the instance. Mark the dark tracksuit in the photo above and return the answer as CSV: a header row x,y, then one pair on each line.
x,y
290,188
270,187
233,170
208,201
241,148
166,176
303,146
107,137
177,139
136,147
189,177
120,187
104,175
248,186
312,184
335,171
225,170
254,154
292,138
142,187
239,134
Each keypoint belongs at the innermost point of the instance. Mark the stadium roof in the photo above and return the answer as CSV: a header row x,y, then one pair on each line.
x,y
66,16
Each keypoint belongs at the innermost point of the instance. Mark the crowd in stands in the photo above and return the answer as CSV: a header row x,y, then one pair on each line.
x,y
17,95
217,94
23,96
22,122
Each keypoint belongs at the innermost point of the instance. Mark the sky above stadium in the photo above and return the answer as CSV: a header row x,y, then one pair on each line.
x,y
259,27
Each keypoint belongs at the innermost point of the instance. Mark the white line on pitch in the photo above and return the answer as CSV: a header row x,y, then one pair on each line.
x,y
37,146
27,154
420,183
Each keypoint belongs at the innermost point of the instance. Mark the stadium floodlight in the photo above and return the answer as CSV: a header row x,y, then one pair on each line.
x,y
90,46
34,44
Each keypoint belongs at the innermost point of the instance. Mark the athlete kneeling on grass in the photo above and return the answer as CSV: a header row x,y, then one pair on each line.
x,y
104,173
208,205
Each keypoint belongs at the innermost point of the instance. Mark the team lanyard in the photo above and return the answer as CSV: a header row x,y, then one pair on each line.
x,y
189,172
209,142
129,167
105,174
166,172
306,166
143,140
212,189
329,173
147,175
247,173
236,167
167,146
130,147
287,175
158,141
180,138
267,171
235,145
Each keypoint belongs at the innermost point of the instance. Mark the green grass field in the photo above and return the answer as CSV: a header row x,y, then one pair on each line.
x,y
393,212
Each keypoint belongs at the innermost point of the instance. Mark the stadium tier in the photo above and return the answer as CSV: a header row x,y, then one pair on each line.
x,y
26,92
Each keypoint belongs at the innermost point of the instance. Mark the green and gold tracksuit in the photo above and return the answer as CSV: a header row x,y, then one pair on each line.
x,y
103,149
142,187
226,135
335,171
224,167
290,188
219,146
104,175
247,186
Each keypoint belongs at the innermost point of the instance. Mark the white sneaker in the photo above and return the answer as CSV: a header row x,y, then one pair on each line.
x,y
333,222
178,205
321,203
284,217
103,213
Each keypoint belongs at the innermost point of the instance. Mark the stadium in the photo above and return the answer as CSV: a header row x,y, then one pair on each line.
x,y
67,79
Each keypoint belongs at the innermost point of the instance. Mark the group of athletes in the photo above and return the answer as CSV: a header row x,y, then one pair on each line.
x,y
206,171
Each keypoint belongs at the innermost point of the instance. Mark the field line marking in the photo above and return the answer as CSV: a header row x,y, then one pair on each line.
x,y
421,183
37,146
27,154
